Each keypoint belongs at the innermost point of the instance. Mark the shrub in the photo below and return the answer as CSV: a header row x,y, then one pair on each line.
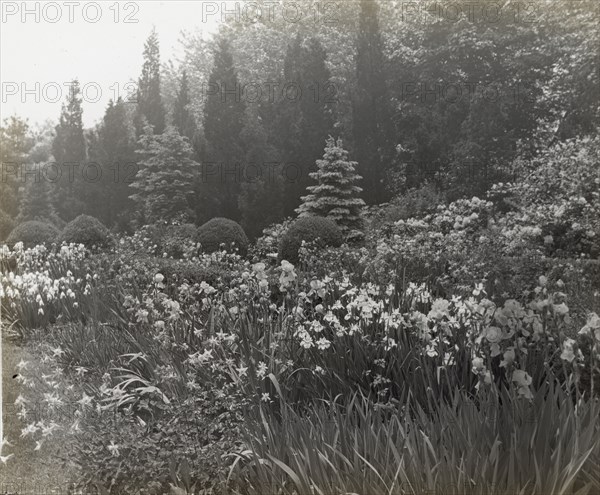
x,y
86,230
33,233
321,231
6,225
222,231
177,239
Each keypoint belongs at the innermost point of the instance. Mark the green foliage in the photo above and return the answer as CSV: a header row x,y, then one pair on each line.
x,y
301,124
86,230
33,233
69,147
495,444
321,231
150,110
183,119
372,125
223,124
336,195
218,231
14,145
112,147
164,183
6,225
37,202
177,240
556,193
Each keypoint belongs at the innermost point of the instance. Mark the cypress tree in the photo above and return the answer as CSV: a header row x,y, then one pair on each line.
x,y
224,115
372,125
305,120
150,109
182,117
69,151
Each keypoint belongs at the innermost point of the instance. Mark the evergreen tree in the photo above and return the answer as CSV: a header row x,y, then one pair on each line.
x,y
306,119
164,184
336,194
37,202
13,148
117,148
69,151
182,117
261,195
150,109
223,156
372,125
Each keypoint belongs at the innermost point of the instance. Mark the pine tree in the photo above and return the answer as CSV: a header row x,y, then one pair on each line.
x,y
69,151
164,184
336,195
150,109
372,125
224,115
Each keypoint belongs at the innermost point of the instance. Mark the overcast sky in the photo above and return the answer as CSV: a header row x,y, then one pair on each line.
x,y
38,56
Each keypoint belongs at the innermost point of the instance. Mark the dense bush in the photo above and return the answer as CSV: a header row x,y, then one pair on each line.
x,y
86,230
177,240
33,233
6,225
220,231
321,231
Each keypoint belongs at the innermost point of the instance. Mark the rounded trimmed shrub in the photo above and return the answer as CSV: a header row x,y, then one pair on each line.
x,y
33,233
86,230
321,231
222,231
7,224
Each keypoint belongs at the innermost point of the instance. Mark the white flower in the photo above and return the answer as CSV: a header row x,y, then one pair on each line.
x,y
113,449
158,278
323,344
262,370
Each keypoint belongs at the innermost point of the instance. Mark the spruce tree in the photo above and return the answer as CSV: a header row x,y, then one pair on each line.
x,y
372,124
69,151
150,109
164,184
336,194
